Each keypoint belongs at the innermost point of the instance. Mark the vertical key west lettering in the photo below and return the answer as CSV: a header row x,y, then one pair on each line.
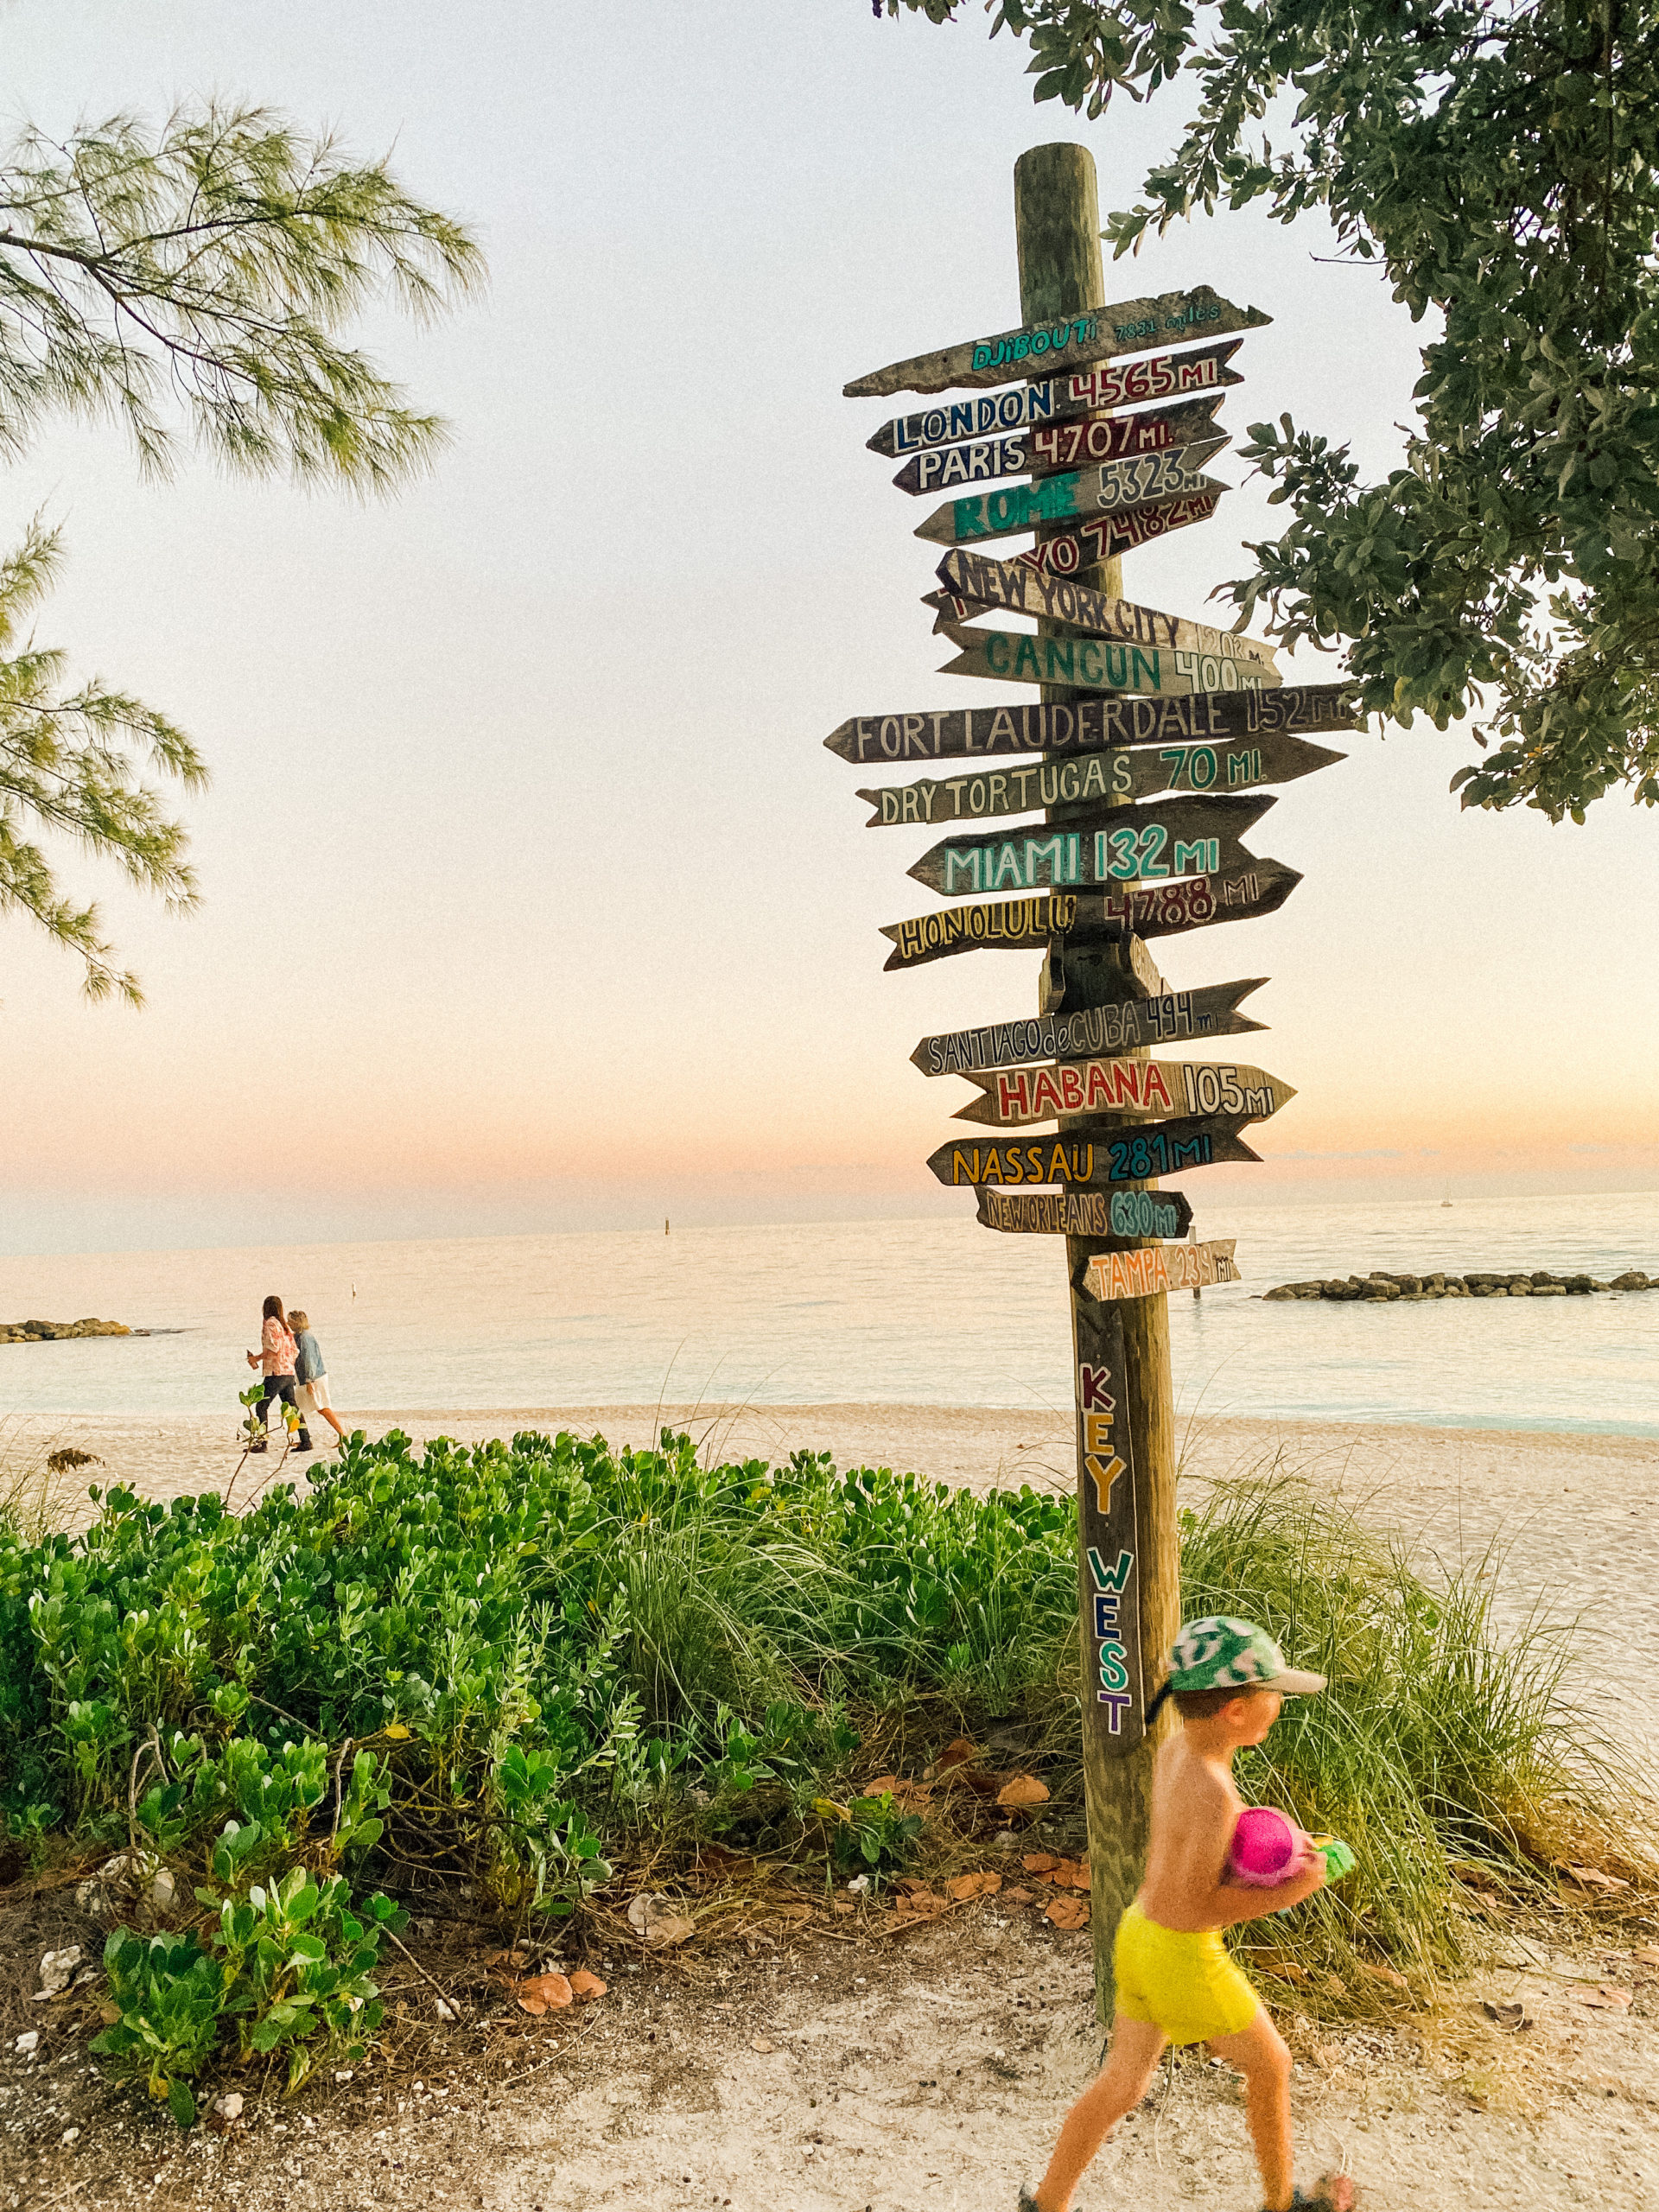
x,y
1113,1682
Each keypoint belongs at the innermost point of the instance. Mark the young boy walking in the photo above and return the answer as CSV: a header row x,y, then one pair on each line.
x,y
1175,1981
311,1375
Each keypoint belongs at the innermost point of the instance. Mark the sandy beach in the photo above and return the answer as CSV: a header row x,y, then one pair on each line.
x,y
1574,1517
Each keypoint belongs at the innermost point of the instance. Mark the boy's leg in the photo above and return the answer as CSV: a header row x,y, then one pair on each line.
x,y
1137,2045
333,1419
1260,2056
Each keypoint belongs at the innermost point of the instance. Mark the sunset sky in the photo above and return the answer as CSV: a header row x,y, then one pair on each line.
x,y
532,899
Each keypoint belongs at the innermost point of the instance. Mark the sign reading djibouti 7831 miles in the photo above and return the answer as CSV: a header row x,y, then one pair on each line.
x,y
1131,327
1056,399
1064,445
1134,1156
1171,837
1142,773
1140,1089
1080,496
1093,725
1164,1017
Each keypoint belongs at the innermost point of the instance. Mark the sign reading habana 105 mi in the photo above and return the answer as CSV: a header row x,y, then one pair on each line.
x,y
1172,837
1084,1213
1093,1032
1107,776
1131,327
1012,1097
975,584
1198,718
1133,1156
1079,496
1026,925
1066,445
1169,1267
1057,399
1096,663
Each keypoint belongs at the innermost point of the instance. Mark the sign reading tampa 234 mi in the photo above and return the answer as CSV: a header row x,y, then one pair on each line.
x,y
1173,837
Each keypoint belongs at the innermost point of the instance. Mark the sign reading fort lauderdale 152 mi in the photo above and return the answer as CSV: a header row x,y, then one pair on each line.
x,y
1091,725
1131,327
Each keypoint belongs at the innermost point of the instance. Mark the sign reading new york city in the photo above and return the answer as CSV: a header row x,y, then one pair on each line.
x,y
1093,725
1056,399
1138,1090
1131,327
1169,838
974,583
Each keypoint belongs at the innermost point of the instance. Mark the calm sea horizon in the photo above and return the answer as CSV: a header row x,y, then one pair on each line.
x,y
926,1311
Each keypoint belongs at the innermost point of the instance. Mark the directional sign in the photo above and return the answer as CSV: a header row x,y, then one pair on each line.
x,y
1085,1213
1173,837
1095,663
1141,773
1095,1033
1126,1156
1067,552
1109,1534
1064,445
974,583
1078,496
1199,718
1131,327
1056,399
1025,925
1013,1097
1170,1267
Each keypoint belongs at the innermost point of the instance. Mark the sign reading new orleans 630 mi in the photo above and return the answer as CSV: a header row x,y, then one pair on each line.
x,y
1140,1089
1172,837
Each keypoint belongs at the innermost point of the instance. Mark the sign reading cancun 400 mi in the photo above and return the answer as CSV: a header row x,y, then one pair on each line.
x,y
1131,327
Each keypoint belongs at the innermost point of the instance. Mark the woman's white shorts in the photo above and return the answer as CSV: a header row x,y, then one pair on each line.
x,y
313,1396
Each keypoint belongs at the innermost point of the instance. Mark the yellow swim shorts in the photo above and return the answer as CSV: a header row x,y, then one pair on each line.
x,y
1184,1984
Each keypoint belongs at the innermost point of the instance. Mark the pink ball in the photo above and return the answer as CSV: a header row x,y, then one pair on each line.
x,y
1266,1847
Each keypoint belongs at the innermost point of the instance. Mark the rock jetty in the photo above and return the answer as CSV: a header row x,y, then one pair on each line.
x,y
45,1333
1380,1289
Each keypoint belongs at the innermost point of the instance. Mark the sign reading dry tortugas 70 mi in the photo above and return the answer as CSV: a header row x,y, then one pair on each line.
x,y
1091,725
1131,327
1057,399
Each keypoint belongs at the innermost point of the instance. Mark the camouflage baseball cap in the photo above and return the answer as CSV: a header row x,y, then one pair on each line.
x,y
1218,1654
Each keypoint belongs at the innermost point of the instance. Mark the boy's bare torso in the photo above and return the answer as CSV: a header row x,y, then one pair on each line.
x,y
1195,1808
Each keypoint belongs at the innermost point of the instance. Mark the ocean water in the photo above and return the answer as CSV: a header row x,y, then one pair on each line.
x,y
925,1312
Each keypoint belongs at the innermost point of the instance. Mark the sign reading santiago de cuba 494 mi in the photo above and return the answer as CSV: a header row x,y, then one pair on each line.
x,y
1165,1017
1095,725
974,583
1095,663
1028,924
1131,327
1061,445
1078,496
1013,1097
1172,837
1141,773
1057,399
1170,1266
1126,1156
1123,1214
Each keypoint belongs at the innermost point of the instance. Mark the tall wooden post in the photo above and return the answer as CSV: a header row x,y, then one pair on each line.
x,y
1129,1544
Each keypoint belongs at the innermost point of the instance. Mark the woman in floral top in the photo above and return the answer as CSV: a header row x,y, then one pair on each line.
x,y
274,1360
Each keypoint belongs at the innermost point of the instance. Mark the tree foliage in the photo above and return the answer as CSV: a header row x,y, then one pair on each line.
x,y
192,281
1501,163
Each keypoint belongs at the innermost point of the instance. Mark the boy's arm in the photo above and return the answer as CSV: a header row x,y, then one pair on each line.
x,y
1235,1902
1206,1898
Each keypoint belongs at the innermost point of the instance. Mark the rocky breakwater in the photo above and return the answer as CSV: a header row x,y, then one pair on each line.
x,y
46,1332
1382,1289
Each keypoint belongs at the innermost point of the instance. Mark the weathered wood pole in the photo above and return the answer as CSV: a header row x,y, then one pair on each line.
x,y
1131,1605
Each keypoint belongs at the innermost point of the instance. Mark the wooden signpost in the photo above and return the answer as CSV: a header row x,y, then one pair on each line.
x,y
1118,1216
1179,1267
1163,1017
1157,1149
1170,838
1095,663
1011,1098
1066,341
1057,399
1134,702
1064,445
1028,924
974,583
1099,777
1094,725
1080,495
